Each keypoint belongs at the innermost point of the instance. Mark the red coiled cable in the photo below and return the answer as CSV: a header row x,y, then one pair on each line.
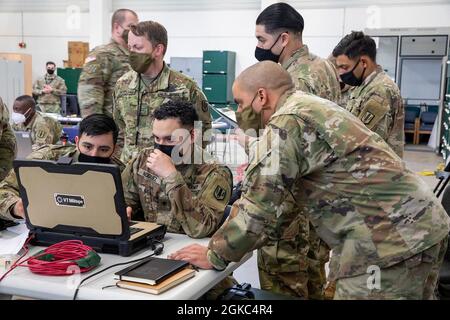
x,y
60,259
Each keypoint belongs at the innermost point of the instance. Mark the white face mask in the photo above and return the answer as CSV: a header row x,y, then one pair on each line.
x,y
19,118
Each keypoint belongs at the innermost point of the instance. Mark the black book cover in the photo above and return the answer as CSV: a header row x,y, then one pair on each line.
x,y
152,270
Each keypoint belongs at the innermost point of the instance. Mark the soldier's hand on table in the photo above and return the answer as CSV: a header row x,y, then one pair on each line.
x,y
18,210
161,164
194,254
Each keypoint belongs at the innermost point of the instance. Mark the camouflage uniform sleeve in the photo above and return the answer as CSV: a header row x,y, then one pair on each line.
x,y
130,187
44,133
304,86
60,87
91,86
375,113
117,115
7,142
280,157
396,139
37,88
200,213
201,105
9,188
9,195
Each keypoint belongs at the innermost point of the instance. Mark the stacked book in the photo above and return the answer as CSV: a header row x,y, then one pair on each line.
x,y
154,275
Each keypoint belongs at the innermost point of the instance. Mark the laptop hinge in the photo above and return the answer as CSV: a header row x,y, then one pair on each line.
x,y
65,160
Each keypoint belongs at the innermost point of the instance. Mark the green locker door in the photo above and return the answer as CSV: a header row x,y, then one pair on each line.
x,y
71,77
217,88
219,62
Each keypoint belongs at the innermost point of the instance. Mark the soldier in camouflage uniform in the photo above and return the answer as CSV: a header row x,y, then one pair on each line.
x,y
379,218
150,84
188,198
95,143
7,142
49,90
376,99
43,129
346,90
104,65
279,28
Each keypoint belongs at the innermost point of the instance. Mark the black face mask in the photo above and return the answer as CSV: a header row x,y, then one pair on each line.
x,y
50,71
267,54
350,78
164,149
90,159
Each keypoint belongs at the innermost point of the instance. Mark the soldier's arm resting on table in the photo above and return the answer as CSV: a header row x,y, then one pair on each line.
x,y
91,86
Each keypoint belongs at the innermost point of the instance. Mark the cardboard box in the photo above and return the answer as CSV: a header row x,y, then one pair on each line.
x,y
78,51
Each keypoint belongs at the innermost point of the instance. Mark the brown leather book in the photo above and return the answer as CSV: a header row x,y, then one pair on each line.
x,y
166,284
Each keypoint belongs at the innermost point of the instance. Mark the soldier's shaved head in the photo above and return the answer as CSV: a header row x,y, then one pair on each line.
x,y
265,74
119,16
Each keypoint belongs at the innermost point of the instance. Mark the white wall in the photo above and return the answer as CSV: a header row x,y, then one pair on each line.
x,y
194,31
46,34
418,16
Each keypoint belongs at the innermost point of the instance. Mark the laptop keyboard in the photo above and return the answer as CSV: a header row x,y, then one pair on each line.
x,y
135,230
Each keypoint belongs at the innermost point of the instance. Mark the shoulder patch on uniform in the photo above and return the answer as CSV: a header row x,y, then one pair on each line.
x,y
367,118
90,59
41,134
220,193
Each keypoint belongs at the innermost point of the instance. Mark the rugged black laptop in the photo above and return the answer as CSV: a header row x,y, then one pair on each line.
x,y
81,201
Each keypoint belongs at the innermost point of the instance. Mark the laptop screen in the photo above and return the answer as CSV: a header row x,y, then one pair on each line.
x,y
24,144
81,198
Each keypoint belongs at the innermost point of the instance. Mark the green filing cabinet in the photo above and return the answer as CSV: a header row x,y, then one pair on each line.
x,y
71,77
219,62
217,88
218,75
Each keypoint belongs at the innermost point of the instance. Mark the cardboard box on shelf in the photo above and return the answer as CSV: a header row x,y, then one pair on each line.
x,y
78,51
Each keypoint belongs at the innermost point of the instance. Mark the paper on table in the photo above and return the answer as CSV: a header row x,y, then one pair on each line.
x,y
12,240
19,229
